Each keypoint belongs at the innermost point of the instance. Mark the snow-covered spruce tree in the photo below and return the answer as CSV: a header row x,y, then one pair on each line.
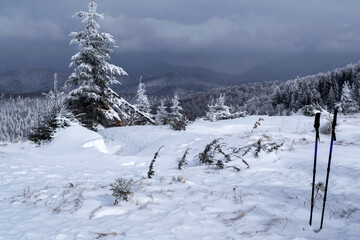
x,y
92,101
347,103
331,99
53,118
175,109
177,120
356,88
277,97
142,104
161,117
218,110
142,101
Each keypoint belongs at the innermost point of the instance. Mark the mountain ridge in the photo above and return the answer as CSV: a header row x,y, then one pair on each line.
x,y
164,79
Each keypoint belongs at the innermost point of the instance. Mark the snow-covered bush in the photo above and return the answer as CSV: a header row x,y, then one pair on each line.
x,y
218,110
207,157
214,155
121,189
311,109
239,114
179,125
263,144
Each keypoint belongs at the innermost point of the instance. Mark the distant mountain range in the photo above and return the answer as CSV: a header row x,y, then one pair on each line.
x,y
162,78
298,65
37,81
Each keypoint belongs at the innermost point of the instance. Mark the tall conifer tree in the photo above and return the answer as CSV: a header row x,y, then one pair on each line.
x,y
92,101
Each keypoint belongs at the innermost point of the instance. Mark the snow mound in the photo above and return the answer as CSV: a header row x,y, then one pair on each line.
x,y
77,137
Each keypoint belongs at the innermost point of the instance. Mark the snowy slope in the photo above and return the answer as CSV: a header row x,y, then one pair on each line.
x,y
60,190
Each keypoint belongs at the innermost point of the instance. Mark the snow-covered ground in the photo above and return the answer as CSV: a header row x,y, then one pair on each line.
x,y
61,190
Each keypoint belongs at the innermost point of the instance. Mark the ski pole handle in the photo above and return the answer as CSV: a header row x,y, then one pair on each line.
x,y
335,119
317,125
317,121
334,123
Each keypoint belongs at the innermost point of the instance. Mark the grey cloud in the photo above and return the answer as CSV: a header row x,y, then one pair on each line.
x,y
20,26
231,33
216,34
193,29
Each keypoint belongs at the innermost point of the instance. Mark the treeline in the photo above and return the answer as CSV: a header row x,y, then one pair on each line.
x,y
340,87
320,91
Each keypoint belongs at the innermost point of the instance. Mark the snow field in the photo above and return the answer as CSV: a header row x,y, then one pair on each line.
x,y
60,190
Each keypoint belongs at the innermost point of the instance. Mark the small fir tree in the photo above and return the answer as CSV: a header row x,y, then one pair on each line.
x,y
347,104
356,88
121,189
175,109
162,115
177,120
142,105
293,103
277,97
53,117
331,99
142,100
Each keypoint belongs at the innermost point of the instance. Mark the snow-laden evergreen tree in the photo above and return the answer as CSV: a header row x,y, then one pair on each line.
x,y
277,97
142,101
293,102
55,99
218,110
175,114
92,101
53,117
356,88
162,115
347,103
177,120
331,99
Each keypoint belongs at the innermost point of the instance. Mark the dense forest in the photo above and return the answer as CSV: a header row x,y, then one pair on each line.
x,y
320,91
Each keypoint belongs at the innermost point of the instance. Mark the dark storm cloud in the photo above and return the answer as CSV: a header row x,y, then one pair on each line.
x,y
185,30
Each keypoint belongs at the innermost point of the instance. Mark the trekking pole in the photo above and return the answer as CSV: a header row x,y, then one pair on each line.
x,y
333,138
317,139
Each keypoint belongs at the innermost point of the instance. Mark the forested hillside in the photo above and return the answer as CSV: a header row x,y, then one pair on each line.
x,y
323,90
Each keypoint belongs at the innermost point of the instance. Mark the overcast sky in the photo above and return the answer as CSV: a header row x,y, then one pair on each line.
x,y
225,35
